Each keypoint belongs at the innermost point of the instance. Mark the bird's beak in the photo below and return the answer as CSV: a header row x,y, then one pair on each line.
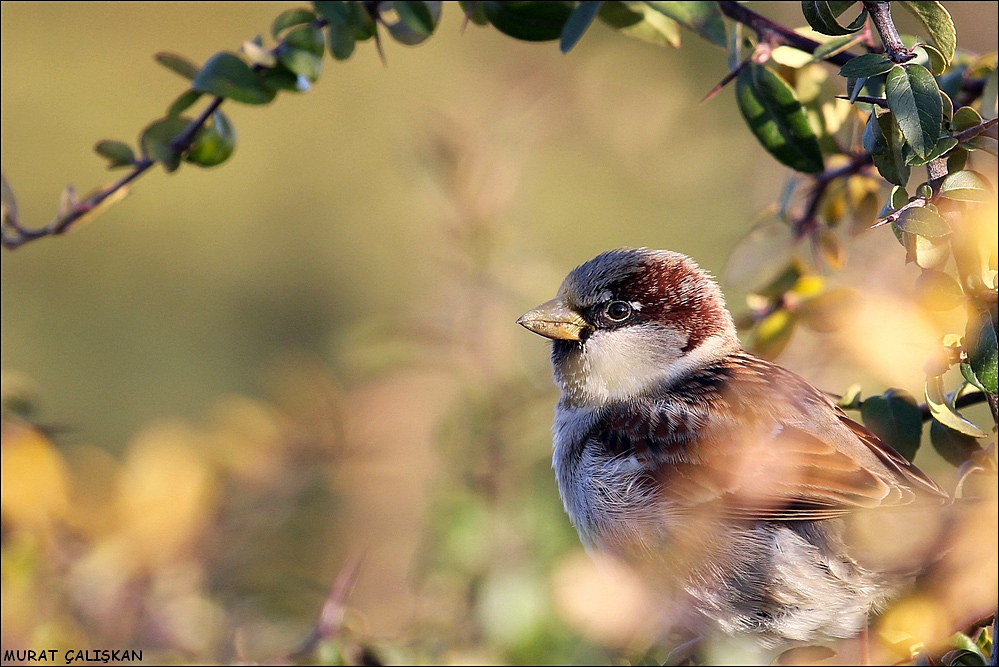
x,y
553,319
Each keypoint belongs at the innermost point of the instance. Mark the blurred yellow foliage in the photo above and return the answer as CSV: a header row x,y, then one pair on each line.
x,y
34,482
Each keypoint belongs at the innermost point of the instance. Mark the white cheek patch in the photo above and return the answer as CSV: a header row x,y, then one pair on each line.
x,y
623,363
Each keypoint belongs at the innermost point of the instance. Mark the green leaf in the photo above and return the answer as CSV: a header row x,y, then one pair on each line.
x,y
341,42
702,18
944,145
579,21
777,119
938,23
301,51
214,144
969,375
410,23
225,75
957,160
821,16
335,13
942,411
473,10
186,100
117,153
914,100
982,143
935,61
529,21
867,65
965,118
289,18
962,657
898,197
935,290
348,18
418,16
157,138
177,64
981,341
341,17
834,46
923,221
895,418
955,447
637,20
280,77
967,186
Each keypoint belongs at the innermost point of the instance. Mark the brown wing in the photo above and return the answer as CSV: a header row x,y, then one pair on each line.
x,y
892,459
752,464
789,476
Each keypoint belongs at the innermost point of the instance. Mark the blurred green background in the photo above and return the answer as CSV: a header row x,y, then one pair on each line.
x,y
255,371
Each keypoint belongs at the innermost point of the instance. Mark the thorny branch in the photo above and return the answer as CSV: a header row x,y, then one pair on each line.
x,y
774,34
330,621
13,235
937,170
880,13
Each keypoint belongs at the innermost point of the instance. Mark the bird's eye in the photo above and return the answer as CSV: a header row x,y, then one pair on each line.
x,y
618,311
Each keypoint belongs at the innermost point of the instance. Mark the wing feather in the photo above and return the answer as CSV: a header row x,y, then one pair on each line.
x,y
780,451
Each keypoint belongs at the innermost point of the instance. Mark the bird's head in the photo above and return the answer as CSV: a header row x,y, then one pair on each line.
x,y
630,320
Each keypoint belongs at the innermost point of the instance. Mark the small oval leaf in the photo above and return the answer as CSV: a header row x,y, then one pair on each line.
x,y
290,18
923,221
941,410
184,102
889,159
419,16
214,144
938,23
965,118
641,22
301,51
914,100
822,15
226,75
967,185
895,418
867,65
981,342
777,119
702,18
177,64
280,77
936,290
529,21
157,139
955,447
117,153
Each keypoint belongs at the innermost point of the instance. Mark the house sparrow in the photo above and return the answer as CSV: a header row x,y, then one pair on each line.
x,y
734,486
